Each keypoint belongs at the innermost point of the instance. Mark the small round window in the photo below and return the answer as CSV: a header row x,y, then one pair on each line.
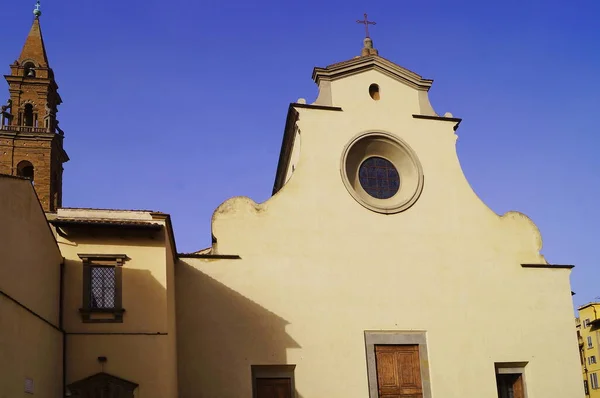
x,y
379,178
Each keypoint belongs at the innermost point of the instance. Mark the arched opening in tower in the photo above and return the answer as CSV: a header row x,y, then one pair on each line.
x,y
25,169
29,69
28,115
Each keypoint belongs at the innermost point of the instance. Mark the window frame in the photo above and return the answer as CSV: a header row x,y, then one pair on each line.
x,y
590,343
594,380
90,314
273,372
591,360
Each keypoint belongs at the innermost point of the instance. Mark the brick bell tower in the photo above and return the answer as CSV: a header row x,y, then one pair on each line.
x,y
31,143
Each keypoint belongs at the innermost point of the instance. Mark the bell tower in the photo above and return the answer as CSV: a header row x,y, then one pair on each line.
x,y
31,143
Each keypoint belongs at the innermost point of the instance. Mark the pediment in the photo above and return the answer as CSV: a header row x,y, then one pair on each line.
x,y
372,62
102,382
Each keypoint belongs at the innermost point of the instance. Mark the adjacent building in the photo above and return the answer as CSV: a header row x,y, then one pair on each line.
x,y
374,270
588,332
31,332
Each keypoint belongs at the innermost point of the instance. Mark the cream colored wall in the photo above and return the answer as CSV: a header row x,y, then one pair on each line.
x,y
142,348
318,269
30,274
29,348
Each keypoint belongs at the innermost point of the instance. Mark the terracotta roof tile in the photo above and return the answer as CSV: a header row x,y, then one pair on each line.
x,y
99,209
105,222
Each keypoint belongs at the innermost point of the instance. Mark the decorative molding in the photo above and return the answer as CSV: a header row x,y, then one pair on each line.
x,y
394,150
103,257
373,62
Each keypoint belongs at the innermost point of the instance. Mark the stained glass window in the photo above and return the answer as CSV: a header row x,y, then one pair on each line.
x,y
379,178
103,290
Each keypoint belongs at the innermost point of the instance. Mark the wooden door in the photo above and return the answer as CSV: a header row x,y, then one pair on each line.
x,y
398,371
510,386
274,387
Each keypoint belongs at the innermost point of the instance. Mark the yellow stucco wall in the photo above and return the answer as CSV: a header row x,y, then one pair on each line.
x,y
142,349
30,274
590,313
317,269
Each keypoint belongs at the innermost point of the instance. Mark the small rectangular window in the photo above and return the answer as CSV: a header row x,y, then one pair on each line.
x,y
594,380
589,342
586,323
592,359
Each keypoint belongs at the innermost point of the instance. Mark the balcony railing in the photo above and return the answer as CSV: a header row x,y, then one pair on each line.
x,y
25,129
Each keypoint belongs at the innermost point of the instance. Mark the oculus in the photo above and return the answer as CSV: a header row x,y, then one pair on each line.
x,y
381,172
379,178
374,91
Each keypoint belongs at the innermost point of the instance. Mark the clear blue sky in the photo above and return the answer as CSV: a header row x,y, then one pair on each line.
x,y
176,106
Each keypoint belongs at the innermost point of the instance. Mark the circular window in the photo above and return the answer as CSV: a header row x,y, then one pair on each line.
x,y
381,172
379,178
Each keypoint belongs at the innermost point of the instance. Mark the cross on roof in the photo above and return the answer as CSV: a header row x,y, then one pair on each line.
x,y
366,22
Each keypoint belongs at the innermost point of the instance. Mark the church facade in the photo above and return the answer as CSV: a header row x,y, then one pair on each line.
x,y
374,270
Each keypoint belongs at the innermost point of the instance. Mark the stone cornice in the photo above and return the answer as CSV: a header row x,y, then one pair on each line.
x,y
442,118
372,62
27,135
319,107
548,266
29,80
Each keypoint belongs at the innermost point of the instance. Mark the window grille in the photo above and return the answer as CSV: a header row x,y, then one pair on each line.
x,y
103,287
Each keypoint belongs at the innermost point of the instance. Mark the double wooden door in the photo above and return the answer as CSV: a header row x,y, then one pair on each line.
x,y
398,371
274,387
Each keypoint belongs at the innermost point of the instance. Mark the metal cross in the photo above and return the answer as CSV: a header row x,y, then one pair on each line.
x,y
366,22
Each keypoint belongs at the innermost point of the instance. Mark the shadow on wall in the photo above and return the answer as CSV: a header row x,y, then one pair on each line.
x,y
132,357
220,334
143,297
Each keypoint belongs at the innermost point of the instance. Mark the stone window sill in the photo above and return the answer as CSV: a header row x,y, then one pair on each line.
x,y
102,315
